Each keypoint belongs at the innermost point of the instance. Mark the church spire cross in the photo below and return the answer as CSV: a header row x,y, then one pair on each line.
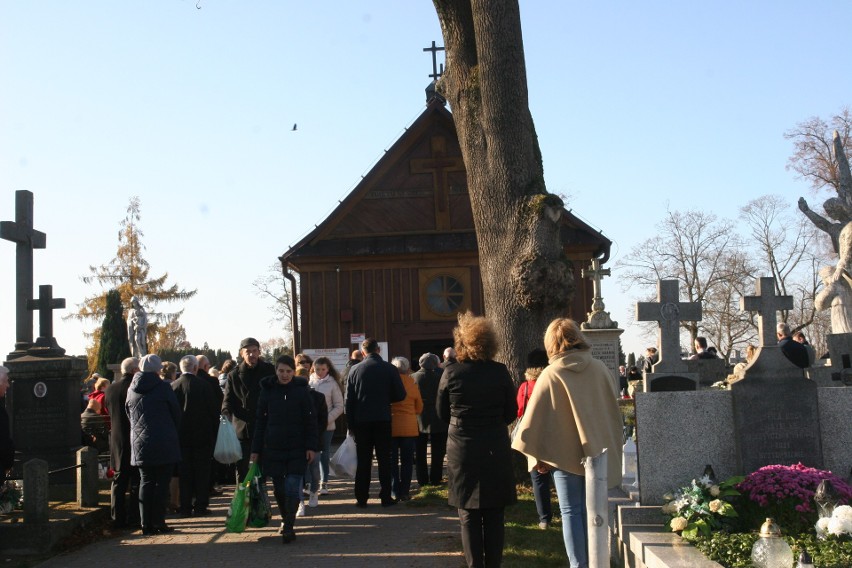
x,y
45,304
766,304
435,49
668,312
21,232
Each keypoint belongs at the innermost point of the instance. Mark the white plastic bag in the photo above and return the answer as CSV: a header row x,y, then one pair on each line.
x,y
228,448
345,459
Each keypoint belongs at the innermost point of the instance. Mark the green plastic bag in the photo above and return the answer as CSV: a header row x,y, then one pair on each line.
x,y
260,511
238,511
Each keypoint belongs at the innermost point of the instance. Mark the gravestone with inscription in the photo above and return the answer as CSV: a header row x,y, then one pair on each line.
x,y
668,311
772,415
601,332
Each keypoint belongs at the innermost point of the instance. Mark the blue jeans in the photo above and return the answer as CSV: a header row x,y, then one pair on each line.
x,y
325,438
571,491
290,485
312,476
402,450
541,492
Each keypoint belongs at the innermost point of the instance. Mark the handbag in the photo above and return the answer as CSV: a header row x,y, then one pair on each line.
x,y
345,459
228,449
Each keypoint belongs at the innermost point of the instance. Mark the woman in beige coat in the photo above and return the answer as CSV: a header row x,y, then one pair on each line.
x,y
572,414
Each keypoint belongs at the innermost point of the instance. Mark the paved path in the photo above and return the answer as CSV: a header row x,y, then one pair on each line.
x,y
336,533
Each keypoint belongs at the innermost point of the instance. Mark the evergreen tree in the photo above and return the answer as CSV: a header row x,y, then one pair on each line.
x,y
114,345
128,273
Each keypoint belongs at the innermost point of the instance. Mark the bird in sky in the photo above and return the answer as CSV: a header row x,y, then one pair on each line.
x,y
294,127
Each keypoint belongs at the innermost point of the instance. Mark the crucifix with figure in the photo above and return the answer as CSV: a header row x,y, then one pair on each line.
x,y
21,232
668,311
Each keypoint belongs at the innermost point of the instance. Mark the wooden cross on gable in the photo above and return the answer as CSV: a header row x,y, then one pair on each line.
x,y
668,312
439,165
21,232
766,304
45,304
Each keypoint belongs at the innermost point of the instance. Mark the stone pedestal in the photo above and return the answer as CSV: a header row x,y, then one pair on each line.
x,y
606,346
43,403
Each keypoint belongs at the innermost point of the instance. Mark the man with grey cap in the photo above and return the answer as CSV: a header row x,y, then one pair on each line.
x,y
432,429
242,389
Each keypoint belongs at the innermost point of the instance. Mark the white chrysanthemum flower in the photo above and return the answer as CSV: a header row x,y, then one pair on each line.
x,y
843,512
838,527
678,524
714,490
822,527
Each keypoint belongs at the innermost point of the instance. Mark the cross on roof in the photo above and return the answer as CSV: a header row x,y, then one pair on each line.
x,y
766,304
435,49
21,232
668,312
45,304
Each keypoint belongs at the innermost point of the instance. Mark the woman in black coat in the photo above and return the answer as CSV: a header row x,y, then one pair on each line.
x,y
286,437
477,397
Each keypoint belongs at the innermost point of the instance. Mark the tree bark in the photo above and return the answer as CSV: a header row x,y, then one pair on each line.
x,y
527,279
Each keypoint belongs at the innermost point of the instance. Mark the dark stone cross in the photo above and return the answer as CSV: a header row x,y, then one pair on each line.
x,y
435,49
21,232
766,304
45,304
439,165
668,312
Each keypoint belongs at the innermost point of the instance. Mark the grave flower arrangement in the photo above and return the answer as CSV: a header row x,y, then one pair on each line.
x,y
11,497
786,493
702,507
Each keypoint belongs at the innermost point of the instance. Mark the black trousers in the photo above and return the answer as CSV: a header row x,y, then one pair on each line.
x,y
482,537
370,436
154,494
122,481
194,479
433,475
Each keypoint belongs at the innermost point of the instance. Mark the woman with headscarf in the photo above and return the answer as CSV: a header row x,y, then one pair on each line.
x,y
477,397
571,415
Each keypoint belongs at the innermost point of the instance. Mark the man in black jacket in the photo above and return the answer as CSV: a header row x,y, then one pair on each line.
x,y
372,386
200,404
430,426
126,476
242,389
792,350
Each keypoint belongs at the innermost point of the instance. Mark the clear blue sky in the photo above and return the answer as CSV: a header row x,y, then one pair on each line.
x,y
638,106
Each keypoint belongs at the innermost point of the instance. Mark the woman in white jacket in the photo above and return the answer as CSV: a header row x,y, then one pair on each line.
x,y
325,380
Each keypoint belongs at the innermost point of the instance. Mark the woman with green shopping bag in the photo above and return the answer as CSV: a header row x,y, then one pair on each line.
x,y
286,438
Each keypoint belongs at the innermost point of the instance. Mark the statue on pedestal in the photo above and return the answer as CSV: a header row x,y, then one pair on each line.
x,y
137,329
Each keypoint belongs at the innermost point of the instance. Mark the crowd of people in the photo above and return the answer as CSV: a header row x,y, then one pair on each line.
x,y
160,427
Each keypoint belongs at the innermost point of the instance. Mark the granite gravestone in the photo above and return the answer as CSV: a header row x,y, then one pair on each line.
x,y
668,311
775,406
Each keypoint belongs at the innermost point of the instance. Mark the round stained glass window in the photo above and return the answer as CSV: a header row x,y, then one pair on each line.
x,y
444,295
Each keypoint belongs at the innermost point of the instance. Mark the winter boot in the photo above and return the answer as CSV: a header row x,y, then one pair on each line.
x,y
291,505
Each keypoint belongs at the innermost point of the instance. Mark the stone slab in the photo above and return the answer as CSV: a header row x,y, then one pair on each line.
x,y
708,371
835,404
663,382
605,346
678,433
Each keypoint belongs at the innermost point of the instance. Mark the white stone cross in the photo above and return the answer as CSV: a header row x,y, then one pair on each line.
x,y
766,304
668,312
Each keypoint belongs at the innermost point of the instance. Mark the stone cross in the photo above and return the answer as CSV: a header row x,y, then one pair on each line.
x,y
668,312
595,273
766,304
21,232
45,305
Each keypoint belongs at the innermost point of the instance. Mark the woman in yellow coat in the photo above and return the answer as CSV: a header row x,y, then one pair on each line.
x,y
404,431
572,414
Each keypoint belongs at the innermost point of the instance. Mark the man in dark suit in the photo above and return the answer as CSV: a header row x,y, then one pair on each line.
x,y
372,386
126,476
217,468
200,404
792,350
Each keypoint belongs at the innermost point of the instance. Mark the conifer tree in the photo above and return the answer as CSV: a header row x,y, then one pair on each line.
x,y
129,274
114,345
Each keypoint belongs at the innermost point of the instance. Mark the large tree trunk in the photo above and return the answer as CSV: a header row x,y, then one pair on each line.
x,y
527,278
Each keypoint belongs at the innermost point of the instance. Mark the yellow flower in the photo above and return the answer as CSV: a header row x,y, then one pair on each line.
x,y
714,490
715,506
678,524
